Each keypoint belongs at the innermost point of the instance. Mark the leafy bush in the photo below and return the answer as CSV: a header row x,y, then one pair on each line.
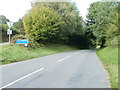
x,y
34,44
42,23
16,37
18,27
114,42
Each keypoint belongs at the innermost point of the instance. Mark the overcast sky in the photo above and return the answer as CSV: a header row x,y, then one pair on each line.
x,y
15,9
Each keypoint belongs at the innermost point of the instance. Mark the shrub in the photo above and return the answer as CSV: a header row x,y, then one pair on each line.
x,y
114,42
33,44
42,23
16,37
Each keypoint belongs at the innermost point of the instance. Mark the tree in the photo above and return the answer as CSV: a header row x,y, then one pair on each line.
x,y
102,22
69,14
3,23
55,22
18,27
43,24
3,28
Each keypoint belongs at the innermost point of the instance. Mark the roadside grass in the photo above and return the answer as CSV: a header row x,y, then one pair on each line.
x,y
0,54
16,53
109,57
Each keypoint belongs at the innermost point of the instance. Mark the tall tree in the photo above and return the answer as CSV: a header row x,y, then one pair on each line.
x,y
102,22
3,23
42,23
18,27
70,15
3,28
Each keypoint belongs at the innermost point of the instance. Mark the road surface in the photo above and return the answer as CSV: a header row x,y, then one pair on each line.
x,y
74,69
4,43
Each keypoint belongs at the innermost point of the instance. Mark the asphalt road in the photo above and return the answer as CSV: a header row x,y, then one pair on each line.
x,y
4,43
75,69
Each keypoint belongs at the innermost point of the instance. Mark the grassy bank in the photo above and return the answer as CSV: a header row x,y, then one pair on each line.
x,y
109,57
17,53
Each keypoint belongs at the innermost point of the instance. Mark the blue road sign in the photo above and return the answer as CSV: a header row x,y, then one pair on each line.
x,y
22,41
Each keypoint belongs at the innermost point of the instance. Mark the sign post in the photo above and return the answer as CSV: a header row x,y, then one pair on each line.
x,y
9,32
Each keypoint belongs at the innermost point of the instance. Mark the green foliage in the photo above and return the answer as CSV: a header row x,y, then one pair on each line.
x,y
33,44
3,19
18,27
53,22
15,53
17,37
114,42
102,22
3,29
69,14
3,23
42,23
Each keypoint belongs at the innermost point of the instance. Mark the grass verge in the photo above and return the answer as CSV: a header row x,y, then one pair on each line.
x,y
16,53
109,57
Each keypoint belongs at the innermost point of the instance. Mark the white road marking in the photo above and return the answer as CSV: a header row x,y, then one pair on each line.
x,y
21,78
67,57
63,59
34,72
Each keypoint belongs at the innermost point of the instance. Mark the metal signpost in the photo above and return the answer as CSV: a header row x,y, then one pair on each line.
x,y
9,32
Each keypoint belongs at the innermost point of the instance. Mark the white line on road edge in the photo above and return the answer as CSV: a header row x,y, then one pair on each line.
x,y
63,59
21,78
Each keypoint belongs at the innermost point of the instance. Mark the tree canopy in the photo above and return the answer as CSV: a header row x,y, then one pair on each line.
x,y
3,23
3,28
53,21
61,22
18,27
103,22
42,23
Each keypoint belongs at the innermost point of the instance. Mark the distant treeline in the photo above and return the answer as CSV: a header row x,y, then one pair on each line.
x,y
54,22
61,22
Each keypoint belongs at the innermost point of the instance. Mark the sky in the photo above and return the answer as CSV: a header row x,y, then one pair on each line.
x,y
83,6
15,9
